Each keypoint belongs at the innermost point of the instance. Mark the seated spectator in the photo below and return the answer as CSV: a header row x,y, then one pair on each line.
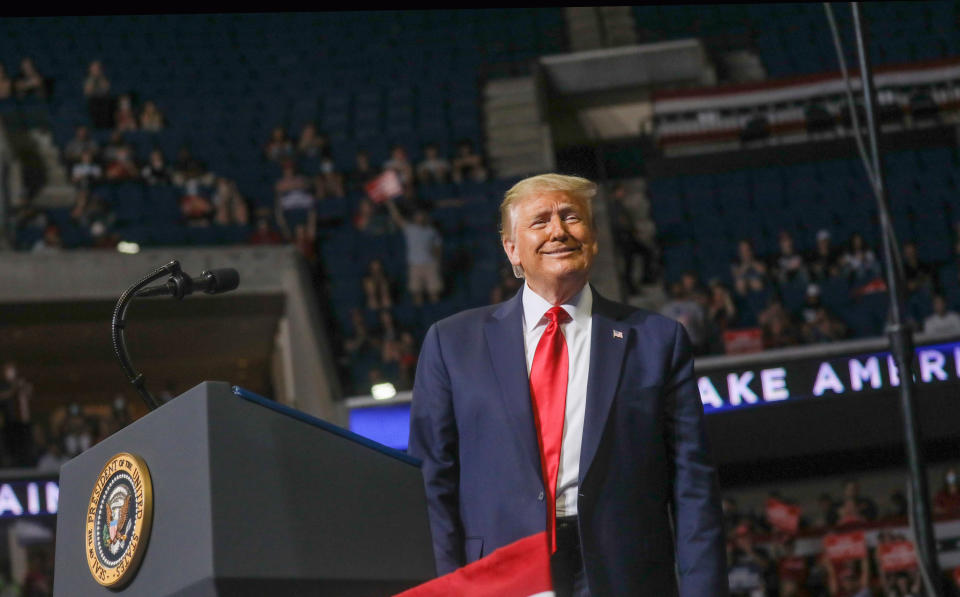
x,y
467,164
295,205
818,324
749,283
196,208
946,502
749,565
400,164
231,208
824,262
916,275
187,168
942,321
905,583
683,308
792,569
859,263
191,175
263,233
279,148
313,149
151,119
424,249
86,172
30,82
789,265
851,579
76,434
6,84
749,273
377,286
89,208
824,327
81,141
778,328
855,508
407,360
363,171
359,338
114,145
721,311
434,168
155,172
51,241
119,159
124,118
96,88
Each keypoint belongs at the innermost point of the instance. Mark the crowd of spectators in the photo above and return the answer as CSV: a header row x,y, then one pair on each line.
x,y
105,157
782,297
46,441
764,561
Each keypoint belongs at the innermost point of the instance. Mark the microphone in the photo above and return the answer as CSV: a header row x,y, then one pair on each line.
x,y
214,281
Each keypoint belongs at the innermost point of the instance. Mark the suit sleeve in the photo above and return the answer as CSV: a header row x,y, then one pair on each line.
x,y
433,439
698,520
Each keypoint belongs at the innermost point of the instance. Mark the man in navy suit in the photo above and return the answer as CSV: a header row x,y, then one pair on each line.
x,y
636,507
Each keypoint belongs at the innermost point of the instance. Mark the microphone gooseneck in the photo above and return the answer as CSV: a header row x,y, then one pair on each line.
x,y
178,285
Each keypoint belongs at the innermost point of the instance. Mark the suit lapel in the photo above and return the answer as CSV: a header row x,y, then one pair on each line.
x,y
608,344
504,335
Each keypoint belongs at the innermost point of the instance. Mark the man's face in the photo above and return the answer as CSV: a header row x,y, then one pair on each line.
x,y
553,238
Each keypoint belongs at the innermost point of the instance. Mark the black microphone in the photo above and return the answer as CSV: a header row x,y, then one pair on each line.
x,y
214,281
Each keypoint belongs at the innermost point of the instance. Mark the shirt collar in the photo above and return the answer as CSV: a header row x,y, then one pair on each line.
x,y
579,307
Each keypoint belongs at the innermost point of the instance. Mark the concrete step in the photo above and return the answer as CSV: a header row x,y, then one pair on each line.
x,y
518,114
55,195
652,297
509,86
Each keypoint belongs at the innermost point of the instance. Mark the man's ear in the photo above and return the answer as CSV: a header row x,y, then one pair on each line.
x,y
510,248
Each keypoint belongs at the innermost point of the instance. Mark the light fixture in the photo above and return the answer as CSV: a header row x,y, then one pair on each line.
x,y
383,391
128,248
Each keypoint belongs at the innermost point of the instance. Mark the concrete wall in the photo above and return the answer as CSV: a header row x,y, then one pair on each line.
x,y
311,383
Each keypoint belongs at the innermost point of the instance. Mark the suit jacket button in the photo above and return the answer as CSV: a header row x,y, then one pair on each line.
x,y
540,496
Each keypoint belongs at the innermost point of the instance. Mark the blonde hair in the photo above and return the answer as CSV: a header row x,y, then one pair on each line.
x,y
574,186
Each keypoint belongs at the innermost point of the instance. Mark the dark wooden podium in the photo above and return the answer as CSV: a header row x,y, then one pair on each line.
x,y
251,498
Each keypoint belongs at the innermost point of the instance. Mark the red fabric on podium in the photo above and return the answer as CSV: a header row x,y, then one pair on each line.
x,y
521,569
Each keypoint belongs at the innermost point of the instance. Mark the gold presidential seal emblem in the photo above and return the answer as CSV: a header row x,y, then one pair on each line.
x,y
118,520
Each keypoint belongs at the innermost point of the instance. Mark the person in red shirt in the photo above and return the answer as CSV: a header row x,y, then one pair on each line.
x,y
792,569
850,579
947,500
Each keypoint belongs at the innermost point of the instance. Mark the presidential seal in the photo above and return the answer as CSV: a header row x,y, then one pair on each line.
x,y
118,520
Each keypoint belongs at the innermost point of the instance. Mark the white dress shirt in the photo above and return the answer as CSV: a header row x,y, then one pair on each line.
x,y
577,334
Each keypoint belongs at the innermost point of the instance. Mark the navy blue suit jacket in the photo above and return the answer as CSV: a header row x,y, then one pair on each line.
x,y
648,505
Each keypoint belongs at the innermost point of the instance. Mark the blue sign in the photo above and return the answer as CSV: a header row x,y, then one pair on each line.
x,y
19,499
733,389
802,379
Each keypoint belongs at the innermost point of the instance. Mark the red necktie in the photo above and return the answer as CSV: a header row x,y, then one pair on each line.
x,y
548,390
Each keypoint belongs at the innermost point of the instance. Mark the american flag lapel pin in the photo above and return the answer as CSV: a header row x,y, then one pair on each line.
x,y
618,334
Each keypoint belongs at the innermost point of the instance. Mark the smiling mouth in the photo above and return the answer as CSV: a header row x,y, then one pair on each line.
x,y
560,252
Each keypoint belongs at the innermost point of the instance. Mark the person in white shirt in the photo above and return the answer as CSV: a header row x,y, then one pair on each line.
x,y
942,321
